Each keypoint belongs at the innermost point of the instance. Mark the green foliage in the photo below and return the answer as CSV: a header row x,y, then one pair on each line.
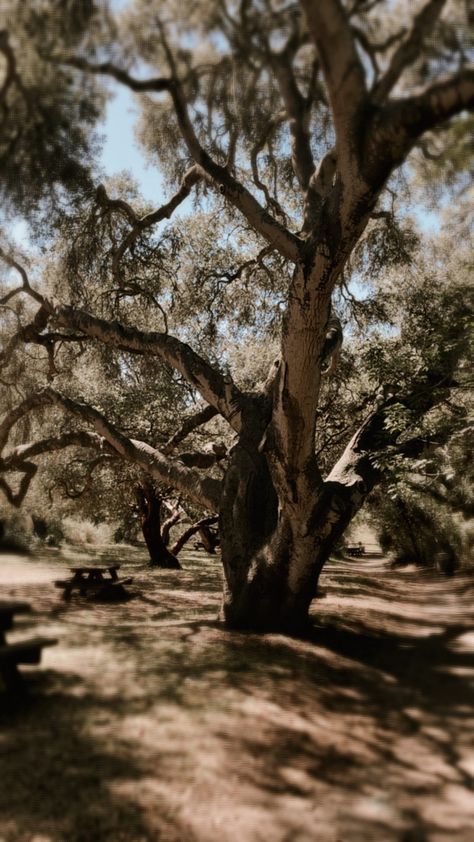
x,y
413,531
47,112
415,528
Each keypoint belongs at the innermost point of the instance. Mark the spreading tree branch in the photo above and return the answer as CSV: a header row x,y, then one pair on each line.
x,y
263,139
273,231
437,102
330,30
409,50
203,490
198,459
141,224
202,416
17,460
288,244
11,75
217,389
298,110
28,469
188,533
27,333
401,122
25,283
23,452
170,521
107,68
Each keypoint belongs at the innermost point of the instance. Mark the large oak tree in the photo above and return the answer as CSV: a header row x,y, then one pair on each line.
x,y
290,118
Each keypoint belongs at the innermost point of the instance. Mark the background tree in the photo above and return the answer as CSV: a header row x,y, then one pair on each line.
x,y
423,507
311,107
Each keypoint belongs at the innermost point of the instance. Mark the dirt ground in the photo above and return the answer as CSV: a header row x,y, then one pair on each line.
x,y
150,723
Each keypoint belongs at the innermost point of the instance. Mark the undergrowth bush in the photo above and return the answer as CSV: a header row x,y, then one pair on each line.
x,y
23,532
78,531
415,530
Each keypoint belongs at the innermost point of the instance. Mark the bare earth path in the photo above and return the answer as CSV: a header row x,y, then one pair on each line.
x,y
149,722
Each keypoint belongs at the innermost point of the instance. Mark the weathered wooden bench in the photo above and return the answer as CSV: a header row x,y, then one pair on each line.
x,y
20,652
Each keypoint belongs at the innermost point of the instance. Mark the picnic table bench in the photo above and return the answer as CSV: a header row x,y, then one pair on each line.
x,y
20,652
92,580
355,550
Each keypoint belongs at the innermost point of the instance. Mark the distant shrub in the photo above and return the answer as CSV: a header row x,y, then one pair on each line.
x,y
78,531
416,531
17,533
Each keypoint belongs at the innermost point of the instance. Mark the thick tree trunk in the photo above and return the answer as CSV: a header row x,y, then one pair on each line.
x,y
150,515
273,550
261,548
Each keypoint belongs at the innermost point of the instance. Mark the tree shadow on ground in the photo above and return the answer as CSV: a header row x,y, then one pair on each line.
x,y
372,723
58,775
174,728
381,734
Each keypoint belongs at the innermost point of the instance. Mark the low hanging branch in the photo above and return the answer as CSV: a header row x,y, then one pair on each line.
x,y
18,459
199,526
218,390
203,490
28,471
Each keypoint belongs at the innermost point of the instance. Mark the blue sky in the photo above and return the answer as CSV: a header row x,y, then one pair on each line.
x,y
121,151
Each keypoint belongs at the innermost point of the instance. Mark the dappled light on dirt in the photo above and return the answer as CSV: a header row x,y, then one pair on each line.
x,y
149,721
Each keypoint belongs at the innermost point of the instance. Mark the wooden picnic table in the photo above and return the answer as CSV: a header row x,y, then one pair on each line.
x,y
20,652
87,579
355,550
94,573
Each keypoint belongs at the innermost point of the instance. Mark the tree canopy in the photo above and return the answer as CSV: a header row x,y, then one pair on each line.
x,y
279,130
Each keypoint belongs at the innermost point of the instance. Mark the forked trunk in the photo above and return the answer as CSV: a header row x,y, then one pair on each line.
x,y
273,556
